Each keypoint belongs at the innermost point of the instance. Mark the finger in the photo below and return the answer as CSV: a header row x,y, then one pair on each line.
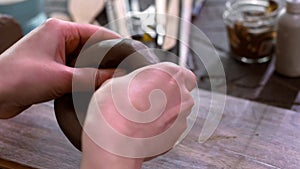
x,y
190,80
76,35
182,75
186,78
187,105
89,79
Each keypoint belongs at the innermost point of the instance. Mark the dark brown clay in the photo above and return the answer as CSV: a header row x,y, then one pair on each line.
x,y
10,32
117,52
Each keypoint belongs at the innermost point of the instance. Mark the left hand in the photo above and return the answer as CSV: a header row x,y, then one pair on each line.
x,y
34,69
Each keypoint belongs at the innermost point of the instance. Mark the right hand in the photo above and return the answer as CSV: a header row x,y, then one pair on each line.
x,y
175,82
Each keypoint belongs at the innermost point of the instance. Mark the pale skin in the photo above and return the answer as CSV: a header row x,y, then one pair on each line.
x,y
36,70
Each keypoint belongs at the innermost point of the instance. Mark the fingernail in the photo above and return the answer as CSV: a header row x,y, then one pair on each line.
x,y
119,72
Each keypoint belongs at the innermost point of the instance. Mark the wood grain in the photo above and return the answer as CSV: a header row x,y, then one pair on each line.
x,y
34,139
250,135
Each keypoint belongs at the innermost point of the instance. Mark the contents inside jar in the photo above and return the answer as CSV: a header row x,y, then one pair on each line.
x,y
251,29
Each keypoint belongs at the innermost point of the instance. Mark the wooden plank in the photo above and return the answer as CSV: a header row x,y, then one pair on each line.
x,y
4,164
250,135
34,139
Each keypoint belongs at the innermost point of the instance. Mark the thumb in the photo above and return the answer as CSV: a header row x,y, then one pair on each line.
x,y
87,79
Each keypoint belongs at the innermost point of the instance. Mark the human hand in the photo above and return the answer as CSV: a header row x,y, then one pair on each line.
x,y
141,117
34,70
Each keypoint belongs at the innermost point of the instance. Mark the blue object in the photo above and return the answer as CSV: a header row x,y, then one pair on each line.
x,y
29,13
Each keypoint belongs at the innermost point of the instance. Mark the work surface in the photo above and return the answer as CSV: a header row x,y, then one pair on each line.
x,y
250,135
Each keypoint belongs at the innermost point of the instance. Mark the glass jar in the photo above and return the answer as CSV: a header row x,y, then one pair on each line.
x,y
251,27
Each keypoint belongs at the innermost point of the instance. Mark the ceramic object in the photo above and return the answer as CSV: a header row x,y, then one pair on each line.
x,y
10,32
69,121
29,13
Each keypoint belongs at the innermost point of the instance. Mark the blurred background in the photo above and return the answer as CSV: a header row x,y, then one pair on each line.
x,y
257,82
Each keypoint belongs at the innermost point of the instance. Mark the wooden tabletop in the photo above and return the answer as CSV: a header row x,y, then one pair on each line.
x,y
250,134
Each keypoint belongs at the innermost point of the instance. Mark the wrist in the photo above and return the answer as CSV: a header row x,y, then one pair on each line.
x,y
94,156
8,81
109,161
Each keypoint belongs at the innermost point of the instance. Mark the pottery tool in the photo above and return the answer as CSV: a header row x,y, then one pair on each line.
x,y
172,25
85,11
185,28
160,20
120,9
197,7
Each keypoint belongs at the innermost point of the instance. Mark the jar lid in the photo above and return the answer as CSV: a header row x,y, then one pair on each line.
x,y
256,13
293,6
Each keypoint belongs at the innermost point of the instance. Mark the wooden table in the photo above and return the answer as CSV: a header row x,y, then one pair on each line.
x,y
250,134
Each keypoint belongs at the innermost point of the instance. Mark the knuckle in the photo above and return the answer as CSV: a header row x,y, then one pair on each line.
x,y
53,25
169,64
193,77
183,127
190,101
52,22
191,98
169,67
174,82
190,80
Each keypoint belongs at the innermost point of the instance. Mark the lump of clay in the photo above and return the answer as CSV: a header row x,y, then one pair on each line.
x,y
10,32
116,55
